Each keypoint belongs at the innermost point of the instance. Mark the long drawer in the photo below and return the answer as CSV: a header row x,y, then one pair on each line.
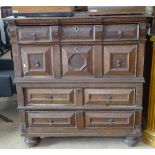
x,y
82,119
82,96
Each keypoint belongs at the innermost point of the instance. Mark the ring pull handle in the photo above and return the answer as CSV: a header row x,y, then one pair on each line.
x,y
37,63
120,33
34,36
76,29
118,63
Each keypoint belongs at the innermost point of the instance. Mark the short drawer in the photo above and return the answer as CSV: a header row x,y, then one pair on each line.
x,y
49,96
109,118
81,32
37,33
51,119
121,60
37,60
114,96
121,32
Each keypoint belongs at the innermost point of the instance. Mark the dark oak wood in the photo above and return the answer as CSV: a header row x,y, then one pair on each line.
x,y
79,76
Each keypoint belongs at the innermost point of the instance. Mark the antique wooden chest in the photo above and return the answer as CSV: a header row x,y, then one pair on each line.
x,y
79,76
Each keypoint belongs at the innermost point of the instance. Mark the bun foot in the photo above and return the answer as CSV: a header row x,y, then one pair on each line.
x,y
131,141
33,141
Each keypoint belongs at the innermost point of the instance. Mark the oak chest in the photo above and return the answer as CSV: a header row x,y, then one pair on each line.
x,y
79,76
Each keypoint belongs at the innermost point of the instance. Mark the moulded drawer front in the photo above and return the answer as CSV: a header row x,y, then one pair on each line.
x,y
81,32
77,60
121,32
37,60
120,60
114,96
37,33
109,118
49,96
51,119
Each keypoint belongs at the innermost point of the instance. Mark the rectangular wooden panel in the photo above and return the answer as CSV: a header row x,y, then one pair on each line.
x,y
121,32
51,118
37,60
109,119
34,33
113,96
78,60
120,60
49,96
81,33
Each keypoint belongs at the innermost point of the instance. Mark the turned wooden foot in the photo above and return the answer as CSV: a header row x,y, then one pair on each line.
x,y
33,141
131,141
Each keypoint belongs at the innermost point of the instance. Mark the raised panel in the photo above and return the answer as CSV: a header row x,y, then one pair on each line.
x,y
81,32
37,33
37,60
109,118
113,96
120,60
77,60
49,96
51,118
121,32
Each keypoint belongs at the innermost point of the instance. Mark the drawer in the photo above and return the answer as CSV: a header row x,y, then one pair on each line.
x,y
114,96
51,119
109,118
49,96
81,32
120,60
80,60
121,32
37,60
37,33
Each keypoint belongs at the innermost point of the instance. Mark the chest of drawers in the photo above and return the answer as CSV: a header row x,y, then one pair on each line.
x,y
79,76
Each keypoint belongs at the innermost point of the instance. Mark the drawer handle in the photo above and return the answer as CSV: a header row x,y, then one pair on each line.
x,y
51,122
76,49
111,121
118,63
76,29
37,63
34,36
120,33
109,99
50,97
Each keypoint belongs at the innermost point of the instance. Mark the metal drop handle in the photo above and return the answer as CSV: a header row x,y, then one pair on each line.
x,y
37,63
118,63
34,36
51,122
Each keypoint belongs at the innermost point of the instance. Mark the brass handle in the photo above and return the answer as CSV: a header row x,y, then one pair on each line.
x,y
118,63
34,36
37,63
51,122
111,121
120,33
76,29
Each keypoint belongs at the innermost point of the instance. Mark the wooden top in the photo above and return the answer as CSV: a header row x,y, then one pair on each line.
x,y
77,18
